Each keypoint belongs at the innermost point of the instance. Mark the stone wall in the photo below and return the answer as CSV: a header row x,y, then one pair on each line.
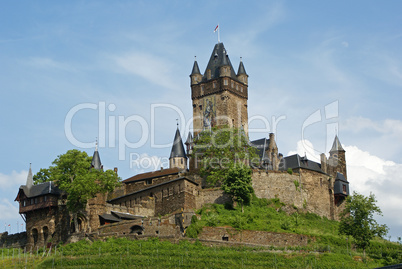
x,y
46,225
253,237
306,189
211,196
131,187
18,240
154,226
165,198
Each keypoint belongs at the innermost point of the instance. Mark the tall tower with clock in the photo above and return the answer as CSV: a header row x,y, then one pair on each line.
x,y
219,95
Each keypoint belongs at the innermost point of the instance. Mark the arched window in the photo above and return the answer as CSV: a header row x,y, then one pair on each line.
x,y
136,229
35,235
45,231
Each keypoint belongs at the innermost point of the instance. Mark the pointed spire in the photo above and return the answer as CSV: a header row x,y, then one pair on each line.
x,y
177,148
241,70
196,69
96,162
336,146
29,178
218,59
189,140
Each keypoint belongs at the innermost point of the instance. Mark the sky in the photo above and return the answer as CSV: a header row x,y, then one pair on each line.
x,y
72,72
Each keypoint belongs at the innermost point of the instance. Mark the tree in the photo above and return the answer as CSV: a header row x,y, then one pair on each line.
x,y
237,184
72,173
218,150
357,220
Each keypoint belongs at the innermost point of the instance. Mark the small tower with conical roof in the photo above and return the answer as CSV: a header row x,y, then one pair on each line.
x,y
195,73
96,162
178,156
337,159
29,179
241,73
219,95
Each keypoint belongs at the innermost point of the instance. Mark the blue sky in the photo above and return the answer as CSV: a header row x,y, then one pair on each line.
x,y
316,68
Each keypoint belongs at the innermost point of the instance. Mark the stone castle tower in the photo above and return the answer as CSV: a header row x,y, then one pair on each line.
x,y
178,157
219,95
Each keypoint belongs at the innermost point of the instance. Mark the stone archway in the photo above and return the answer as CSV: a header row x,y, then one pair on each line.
x,y
137,229
35,235
45,232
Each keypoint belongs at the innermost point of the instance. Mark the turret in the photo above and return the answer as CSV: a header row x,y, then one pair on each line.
x,y
241,73
29,179
337,159
96,162
195,76
178,156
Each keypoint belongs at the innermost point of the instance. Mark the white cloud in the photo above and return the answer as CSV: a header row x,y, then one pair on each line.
x,y
150,67
370,174
367,174
12,181
8,210
306,148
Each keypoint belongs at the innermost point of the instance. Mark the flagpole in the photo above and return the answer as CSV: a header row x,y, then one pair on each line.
x,y
219,41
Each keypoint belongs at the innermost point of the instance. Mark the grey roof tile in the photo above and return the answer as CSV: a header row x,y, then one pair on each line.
x,y
218,58
178,148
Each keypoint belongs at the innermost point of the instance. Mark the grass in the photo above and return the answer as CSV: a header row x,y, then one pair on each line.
x,y
123,253
326,249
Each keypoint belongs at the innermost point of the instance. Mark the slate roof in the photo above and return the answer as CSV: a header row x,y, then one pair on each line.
x,y
295,161
196,69
109,217
124,216
261,145
152,187
153,174
241,70
218,58
96,162
189,140
40,189
341,177
178,148
336,146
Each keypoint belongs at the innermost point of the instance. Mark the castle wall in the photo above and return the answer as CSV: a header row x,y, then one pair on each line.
x,y
211,196
139,185
47,225
18,240
164,199
253,237
153,226
306,189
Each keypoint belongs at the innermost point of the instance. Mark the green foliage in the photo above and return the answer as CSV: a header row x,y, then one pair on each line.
x,y
297,184
290,171
123,253
358,219
72,174
217,150
237,184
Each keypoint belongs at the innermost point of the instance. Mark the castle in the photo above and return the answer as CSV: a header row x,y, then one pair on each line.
x,y
219,98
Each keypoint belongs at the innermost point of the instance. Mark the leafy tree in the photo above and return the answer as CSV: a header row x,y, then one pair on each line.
x,y
237,184
218,150
357,220
72,173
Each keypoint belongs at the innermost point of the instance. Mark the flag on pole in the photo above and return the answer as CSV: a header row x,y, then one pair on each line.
x,y
216,28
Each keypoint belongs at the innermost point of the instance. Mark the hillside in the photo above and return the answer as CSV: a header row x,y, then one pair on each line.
x,y
325,249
